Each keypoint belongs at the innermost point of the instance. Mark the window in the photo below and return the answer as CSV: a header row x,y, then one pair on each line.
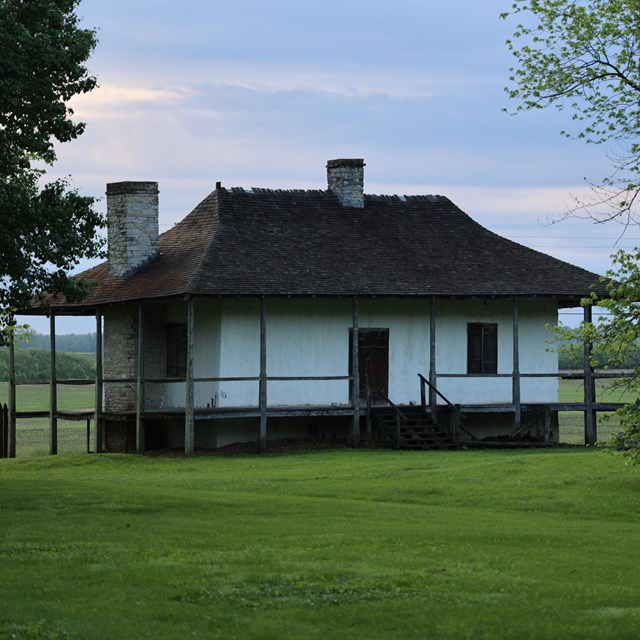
x,y
176,350
482,348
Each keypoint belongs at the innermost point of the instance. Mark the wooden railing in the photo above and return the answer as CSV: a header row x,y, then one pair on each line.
x,y
399,416
455,414
424,383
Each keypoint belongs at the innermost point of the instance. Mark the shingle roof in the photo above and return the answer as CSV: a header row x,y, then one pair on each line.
x,y
298,243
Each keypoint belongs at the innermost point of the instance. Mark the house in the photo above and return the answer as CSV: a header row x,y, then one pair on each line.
x,y
273,314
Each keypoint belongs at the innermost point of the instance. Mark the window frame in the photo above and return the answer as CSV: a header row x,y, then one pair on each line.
x,y
482,348
176,350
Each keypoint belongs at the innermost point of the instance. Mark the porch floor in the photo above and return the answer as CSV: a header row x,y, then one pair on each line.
x,y
217,413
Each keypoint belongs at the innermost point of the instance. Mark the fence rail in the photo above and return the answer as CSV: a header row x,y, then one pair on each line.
x,y
4,431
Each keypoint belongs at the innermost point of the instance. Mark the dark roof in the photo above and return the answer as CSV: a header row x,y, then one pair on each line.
x,y
300,243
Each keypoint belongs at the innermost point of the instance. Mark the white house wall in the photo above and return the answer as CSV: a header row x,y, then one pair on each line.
x,y
206,357
536,352
310,337
239,352
451,350
408,324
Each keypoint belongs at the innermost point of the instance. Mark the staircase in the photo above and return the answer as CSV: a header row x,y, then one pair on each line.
x,y
408,428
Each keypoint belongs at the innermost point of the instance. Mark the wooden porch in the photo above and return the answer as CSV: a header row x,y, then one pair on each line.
x,y
439,409
451,421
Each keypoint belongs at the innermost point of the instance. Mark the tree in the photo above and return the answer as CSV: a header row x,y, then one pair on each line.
x,y
46,227
583,56
617,335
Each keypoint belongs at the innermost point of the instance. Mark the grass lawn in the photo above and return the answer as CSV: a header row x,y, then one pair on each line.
x,y
572,422
339,544
33,433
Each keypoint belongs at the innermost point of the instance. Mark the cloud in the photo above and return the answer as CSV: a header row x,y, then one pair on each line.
x,y
116,102
258,94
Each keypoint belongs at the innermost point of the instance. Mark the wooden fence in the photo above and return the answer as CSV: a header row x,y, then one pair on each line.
x,y
4,431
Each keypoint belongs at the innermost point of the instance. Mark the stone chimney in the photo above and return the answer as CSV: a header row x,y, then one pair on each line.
x,y
132,225
346,179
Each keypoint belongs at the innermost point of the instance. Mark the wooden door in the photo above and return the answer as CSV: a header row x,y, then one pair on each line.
x,y
373,360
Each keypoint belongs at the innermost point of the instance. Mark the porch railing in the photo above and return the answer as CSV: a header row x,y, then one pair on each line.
x,y
399,416
455,415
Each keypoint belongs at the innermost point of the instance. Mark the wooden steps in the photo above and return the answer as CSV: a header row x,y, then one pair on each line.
x,y
408,428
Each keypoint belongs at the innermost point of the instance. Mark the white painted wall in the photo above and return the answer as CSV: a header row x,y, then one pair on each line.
x,y
239,352
536,354
206,357
408,324
310,337
451,350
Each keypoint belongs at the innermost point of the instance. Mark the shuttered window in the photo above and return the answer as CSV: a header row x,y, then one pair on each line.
x,y
482,348
176,350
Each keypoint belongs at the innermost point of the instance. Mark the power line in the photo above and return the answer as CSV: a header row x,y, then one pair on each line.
x,y
572,237
574,246
577,313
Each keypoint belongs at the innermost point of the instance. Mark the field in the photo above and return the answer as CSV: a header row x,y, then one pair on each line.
x,y
572,423
349,544
33,434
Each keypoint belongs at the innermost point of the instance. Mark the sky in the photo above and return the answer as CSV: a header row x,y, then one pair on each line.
x,y
262,94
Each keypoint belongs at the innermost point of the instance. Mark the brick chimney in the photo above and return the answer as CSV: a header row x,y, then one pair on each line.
x,y
345,178
132,225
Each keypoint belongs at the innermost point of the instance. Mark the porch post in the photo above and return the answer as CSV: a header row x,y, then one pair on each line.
x,y
590,423
355,371
517,420
433,398
12,390
140,438
547,423
189,443
99,383
53,389
262,387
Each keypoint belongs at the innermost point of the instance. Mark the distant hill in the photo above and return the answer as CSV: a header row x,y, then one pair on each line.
x,y
34,365
70,342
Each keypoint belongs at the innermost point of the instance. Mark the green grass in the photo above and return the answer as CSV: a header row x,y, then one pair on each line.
x,y
33,433
573,391
572,422
342,544
35,397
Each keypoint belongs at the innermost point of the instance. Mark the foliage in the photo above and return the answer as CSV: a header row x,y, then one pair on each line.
x,y
339,544
617,335
628,439
70,342
584,56
46,227
35,365
571,356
